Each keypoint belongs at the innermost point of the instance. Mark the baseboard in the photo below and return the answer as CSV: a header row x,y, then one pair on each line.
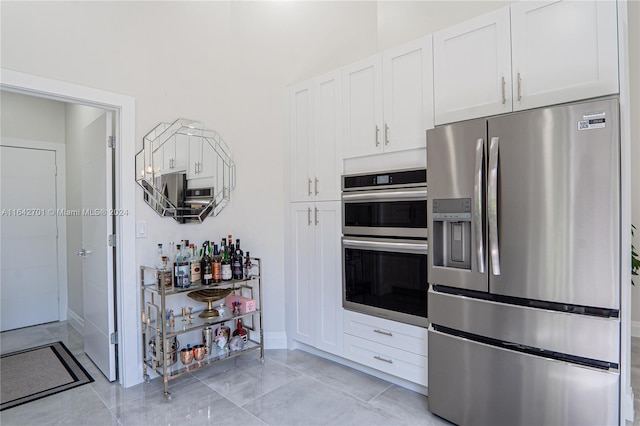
x,y
75,320
635,328
275,340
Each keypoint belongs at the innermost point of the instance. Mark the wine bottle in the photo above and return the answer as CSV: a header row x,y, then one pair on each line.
x,y
194,264
237,266
216,265
184,268
247,266
226,266
206,265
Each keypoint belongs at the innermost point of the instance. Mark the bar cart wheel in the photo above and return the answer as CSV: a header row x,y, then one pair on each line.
x,y
168,397
146,378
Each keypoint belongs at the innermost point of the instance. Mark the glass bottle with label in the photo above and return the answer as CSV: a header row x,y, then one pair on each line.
x,y
194,263
226,266
163,273
247,266
241,331
206,266
183,267
216,265
237,267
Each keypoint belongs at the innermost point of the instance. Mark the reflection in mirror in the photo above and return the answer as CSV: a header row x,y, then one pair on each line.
x,y
185,171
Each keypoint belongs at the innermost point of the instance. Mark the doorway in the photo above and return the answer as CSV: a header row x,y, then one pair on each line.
x,y
126,295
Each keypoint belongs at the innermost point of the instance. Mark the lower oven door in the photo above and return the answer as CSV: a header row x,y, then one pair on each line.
x,y
386,278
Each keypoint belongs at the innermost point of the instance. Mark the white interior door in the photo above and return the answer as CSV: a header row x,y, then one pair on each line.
x,y
97,254
28,237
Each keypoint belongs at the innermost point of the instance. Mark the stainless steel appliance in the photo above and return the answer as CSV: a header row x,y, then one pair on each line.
x,y
385,245
524,267
388,204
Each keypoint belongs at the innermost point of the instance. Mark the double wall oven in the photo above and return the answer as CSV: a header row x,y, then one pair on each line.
x,y
384,245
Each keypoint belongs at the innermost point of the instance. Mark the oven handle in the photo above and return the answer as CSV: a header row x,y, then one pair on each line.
x,y
404,247
386,196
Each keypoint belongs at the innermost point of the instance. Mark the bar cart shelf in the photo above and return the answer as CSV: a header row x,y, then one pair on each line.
x,y
160,338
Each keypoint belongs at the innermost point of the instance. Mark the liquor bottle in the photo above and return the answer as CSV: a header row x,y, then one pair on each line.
x,y
177,282
163,273
226,265
194,263
241,331
237,266
216,265
206,267
247,271
184,268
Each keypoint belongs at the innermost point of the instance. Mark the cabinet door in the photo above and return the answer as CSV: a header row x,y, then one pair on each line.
x,y
195,157
408,95
301,141
302,317
362,107
328,277
328,137
563,51
472,68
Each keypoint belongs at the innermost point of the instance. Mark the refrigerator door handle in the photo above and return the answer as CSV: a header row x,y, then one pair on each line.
x,y
477,203
492,208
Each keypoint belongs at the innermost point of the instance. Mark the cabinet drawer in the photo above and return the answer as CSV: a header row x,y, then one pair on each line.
x,y
396,362
404,337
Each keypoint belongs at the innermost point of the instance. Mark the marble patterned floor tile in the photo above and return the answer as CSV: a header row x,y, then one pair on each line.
x,y
353,382
304,401
24,338
192,403
245,383
78,406
408,406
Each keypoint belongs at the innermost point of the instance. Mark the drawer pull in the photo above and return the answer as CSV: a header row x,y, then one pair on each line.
x,y
386,333
379,358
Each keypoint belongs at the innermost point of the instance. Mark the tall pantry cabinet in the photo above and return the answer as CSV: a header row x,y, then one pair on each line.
x,y
315,165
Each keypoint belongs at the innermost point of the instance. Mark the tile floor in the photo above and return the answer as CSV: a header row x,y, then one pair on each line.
x,y
291,388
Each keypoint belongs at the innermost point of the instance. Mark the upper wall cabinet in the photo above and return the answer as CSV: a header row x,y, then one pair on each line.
x,y
563,51
524,56
388,100
315,143
472,68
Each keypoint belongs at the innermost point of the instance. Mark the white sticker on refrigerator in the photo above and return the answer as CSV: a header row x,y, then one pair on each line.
x,y
595,120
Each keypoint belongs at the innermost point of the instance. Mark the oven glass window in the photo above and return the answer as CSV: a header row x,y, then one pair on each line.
x,y
397,214
387,280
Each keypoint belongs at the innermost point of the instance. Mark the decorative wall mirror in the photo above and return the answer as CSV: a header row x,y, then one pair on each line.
x,y
185,171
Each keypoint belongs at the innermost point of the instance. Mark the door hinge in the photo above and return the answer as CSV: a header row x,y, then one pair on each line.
x,y
114,338
111,240
112,142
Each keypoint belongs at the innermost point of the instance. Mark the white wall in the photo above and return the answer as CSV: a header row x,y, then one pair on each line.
x,y
29,118
225,64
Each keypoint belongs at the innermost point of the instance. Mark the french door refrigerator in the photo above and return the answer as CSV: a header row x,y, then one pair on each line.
x,y
524,267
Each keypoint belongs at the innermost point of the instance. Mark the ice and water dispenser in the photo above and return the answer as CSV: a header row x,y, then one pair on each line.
x,y
451,237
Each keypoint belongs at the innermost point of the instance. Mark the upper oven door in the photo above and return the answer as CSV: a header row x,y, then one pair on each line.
x,y
386,213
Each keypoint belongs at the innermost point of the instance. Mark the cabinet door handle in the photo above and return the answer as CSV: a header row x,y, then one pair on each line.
x,y
316,186
316,216
309,215
379,358
386,134
309,187
195,168
386,333
519,87
504,91
377,136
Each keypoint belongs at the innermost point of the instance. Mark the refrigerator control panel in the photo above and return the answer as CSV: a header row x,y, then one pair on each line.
x,y
451,243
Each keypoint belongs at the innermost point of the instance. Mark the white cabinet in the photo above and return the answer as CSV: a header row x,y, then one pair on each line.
x,y
315,279
528,55
315,144
174,154
563,51
202,159
388,100
472,68
392,347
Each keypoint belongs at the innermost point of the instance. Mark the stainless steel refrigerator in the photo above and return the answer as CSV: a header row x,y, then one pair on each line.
x,y
524,267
